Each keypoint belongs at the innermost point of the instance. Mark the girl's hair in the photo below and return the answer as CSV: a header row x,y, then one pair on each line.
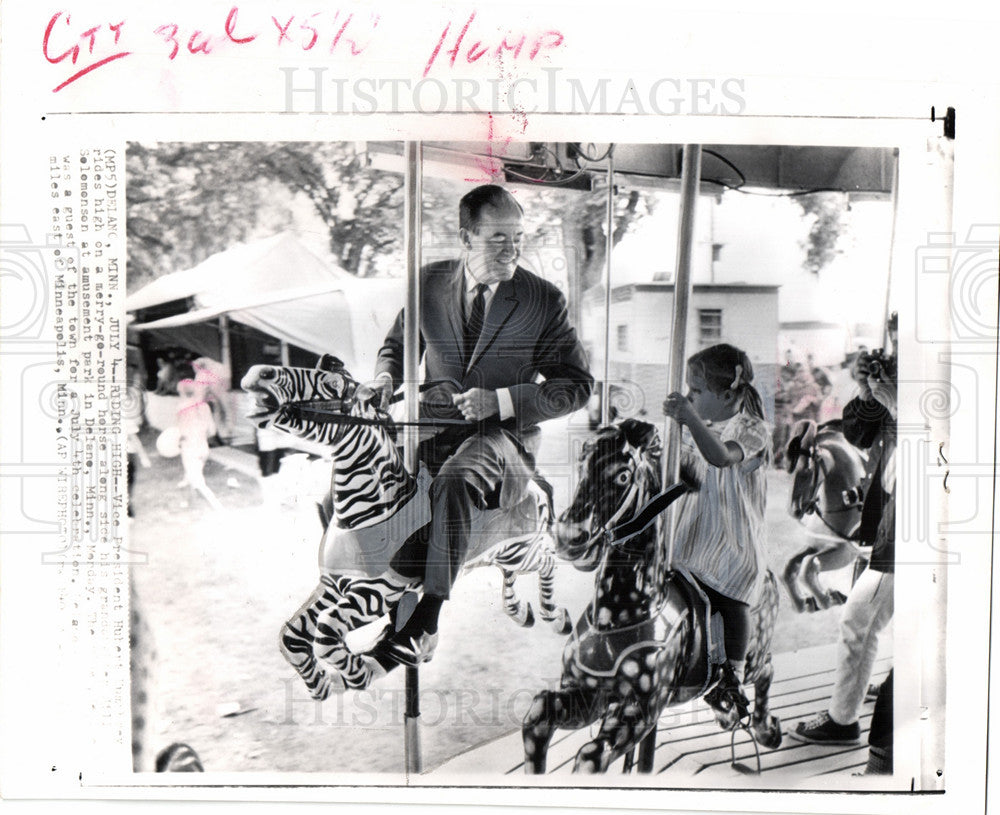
x,y
727,368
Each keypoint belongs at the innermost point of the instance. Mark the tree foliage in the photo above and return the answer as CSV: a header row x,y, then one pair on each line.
x,y
828,214
187,201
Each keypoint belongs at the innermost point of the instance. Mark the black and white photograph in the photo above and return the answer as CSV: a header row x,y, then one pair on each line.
x,y
548,406
692,534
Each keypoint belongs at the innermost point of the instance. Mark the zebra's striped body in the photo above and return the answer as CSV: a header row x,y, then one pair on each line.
x,y
368,486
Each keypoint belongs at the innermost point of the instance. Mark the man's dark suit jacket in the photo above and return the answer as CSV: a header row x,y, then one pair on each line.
x,y
527,346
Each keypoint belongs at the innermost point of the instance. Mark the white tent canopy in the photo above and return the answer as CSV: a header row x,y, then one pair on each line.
x,y
259,266
279,287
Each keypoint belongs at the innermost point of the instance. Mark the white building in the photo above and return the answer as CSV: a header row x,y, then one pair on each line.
x,y
639,338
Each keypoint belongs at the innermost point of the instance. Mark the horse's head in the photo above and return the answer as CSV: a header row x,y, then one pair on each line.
x,y
276,386
808,462
619,470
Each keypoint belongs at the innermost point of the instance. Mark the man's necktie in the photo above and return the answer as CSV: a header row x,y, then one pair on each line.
x,y
474,325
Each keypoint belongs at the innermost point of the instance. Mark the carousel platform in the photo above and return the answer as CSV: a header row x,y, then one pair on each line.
x,y
692,751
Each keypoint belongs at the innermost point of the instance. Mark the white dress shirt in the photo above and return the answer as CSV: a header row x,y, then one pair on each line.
x,y
503,394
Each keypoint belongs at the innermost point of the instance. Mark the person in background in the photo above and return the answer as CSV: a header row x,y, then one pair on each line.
x,y
217,381
869,423
805,396
165,377
819,375
196,426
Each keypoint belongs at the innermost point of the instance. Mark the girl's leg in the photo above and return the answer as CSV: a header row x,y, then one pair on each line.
x,y
727,697
736,624
194,463
736,619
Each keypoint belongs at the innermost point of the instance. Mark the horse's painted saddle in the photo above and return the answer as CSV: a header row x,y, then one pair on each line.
x,y
369,550
601,653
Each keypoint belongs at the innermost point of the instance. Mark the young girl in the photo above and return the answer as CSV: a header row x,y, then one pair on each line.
x,y
196,425
720,532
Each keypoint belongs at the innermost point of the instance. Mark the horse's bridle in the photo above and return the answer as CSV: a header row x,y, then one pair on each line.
x,y
812,507
627,501
616,533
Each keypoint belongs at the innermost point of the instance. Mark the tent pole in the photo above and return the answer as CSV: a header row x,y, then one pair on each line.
x,y
690,182
609,245
411,394
225,347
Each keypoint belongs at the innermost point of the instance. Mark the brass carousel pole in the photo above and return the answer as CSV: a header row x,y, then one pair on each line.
x,y
609,245
690,181
411,395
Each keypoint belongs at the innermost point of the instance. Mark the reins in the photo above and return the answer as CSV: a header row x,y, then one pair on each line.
x,y
624,532
331,411
813,506
616,534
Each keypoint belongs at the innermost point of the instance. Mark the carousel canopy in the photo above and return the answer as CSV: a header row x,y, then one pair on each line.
x,y
860,171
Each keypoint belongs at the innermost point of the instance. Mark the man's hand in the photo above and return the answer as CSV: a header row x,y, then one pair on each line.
x,y
884,392
477,404
860,372
377,392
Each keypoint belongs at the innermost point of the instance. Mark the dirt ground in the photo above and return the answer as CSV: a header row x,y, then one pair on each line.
x,y
219,584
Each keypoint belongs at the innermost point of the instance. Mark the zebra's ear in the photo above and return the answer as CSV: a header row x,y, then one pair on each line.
x,y
328,362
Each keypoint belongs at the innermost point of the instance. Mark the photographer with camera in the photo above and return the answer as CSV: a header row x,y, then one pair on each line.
x,y
869,422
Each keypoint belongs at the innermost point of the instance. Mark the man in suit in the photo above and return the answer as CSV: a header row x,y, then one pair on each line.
x,y
497,341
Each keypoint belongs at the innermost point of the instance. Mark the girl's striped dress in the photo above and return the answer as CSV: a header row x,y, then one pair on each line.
x,y
721,537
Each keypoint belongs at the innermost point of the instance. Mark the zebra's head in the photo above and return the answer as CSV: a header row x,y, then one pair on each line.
x,y
276,386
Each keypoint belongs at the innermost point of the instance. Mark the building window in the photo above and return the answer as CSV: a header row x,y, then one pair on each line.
x,y
710,325
623,338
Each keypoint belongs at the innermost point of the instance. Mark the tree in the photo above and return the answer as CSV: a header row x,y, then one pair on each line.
x,y
579,219
189,201
828,214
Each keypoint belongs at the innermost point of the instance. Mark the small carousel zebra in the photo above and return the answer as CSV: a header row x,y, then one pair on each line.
x,y
375,507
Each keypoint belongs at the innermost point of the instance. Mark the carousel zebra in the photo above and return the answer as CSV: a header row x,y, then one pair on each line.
x,y
373,507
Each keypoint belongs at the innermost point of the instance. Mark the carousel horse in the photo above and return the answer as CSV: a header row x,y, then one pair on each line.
x,y
827,496
648,639
377,506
